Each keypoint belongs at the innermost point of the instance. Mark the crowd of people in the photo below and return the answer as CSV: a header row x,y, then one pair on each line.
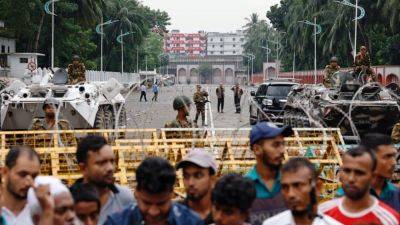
x,y
272,192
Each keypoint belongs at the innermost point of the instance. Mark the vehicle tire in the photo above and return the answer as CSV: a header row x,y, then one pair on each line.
x,y
122,120
104,118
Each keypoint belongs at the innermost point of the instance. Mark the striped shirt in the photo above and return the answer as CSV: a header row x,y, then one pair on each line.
x,y
378,214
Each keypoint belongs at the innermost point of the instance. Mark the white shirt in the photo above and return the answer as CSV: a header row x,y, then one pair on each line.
x,y
143,88
286,218
23,218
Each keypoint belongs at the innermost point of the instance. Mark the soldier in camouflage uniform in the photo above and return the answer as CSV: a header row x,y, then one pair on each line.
x,y
50,105
182,105
200,99
362,64
76,71
329,71
396,133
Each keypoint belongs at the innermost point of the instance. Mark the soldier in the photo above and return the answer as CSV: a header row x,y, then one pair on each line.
x,y
237,93
396,133
200,99
76,71
331,69
362,64
50,105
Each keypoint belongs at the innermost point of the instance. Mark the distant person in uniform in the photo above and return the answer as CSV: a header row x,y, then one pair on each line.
x,y
221,96
329,71
76,71
237,94
200,99
362,64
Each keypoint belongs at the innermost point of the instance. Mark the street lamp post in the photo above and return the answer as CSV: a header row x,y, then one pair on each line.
x,y
357,17
317,30
47,10
268,52
99,30
277,55
121,41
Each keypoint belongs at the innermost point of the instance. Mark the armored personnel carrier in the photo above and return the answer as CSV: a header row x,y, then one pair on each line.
x,y
85,106
351,105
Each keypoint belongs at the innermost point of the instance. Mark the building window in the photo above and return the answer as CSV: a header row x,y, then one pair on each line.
x,y
234,52
221,53
234,45
213,46
23,60
220,39
211,52
8,49
221,46
241,39
3,49
211,39
234,39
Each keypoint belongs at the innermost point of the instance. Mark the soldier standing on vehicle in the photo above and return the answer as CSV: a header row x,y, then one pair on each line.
x,y
238,92
200,99
329,71
362,64
76,71
221,96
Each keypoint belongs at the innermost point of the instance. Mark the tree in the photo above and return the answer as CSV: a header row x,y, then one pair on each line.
x,y
205,72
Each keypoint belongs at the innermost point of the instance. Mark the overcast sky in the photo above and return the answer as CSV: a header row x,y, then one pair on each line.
x,y
210,15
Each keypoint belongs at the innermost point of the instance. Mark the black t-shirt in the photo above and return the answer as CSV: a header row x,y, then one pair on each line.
x,y
207,221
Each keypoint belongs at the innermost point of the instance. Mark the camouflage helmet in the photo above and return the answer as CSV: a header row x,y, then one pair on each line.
x,y
50,101
75,58
334,59
181,101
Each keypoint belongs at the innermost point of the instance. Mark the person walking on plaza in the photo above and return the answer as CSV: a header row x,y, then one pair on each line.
x,y
237,94
299,190
358,206
199,175
143,90
221,96
155,92
232,198
266,142
200,100
155,179
96,160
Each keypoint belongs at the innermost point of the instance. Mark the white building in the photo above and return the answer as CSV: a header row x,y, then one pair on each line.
x,y
7,45
225,43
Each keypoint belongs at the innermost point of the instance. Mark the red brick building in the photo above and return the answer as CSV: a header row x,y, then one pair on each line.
x,y
185,44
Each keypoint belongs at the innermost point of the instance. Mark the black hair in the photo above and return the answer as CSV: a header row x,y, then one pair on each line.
x,y
85,192
233,190
185,164
155,175
295,163
15,152
90,143
361,150
373,140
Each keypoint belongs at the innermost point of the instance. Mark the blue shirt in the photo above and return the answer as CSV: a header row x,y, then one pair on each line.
x,y
262,189
155,88
390,195
178,215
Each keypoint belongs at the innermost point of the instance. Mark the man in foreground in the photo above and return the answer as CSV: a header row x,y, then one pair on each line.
x,y
358,206
199,176
154,191
299,181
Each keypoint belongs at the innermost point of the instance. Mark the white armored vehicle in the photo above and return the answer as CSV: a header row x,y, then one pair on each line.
x,y
91,105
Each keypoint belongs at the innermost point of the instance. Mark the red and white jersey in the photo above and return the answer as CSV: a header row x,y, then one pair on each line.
x,y
378,214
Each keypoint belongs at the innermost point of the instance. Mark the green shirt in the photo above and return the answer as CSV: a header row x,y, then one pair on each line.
x,y
262,189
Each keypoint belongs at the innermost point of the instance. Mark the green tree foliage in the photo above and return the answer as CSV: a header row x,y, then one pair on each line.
x,y
205,72
75,23
378,30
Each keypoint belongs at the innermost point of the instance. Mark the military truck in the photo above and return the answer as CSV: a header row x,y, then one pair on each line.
x,y
353,106
87,105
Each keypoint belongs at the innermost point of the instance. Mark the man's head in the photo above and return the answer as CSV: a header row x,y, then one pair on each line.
x,y
221,84
199,169
334,61
198,87
50,106
357,172
266,140
21,167
363,50
298,184
182,104
232,198
75,59
87,203
155,184
64,213
237,84
96,160
385,153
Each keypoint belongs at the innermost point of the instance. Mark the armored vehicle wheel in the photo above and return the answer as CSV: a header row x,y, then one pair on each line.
x,y
104,118
122,118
